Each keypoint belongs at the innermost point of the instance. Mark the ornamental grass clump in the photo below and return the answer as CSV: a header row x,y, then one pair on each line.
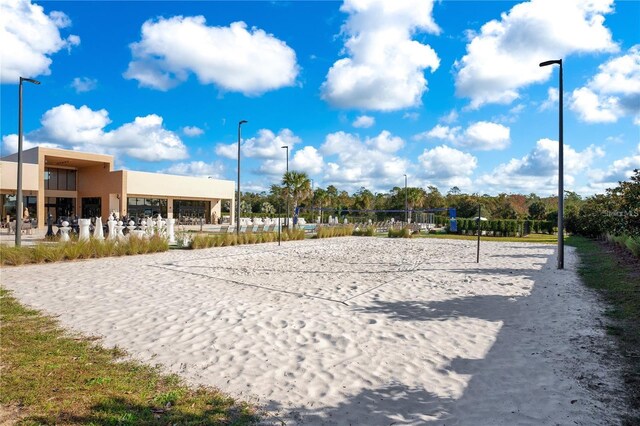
x,y
400,233
75,250
14,255
295,234
157,244
334,231
201,241
369,231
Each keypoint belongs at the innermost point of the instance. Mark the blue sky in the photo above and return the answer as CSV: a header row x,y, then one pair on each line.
x,y
362,91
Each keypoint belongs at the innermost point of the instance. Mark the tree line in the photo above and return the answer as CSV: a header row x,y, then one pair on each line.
x,y
617,211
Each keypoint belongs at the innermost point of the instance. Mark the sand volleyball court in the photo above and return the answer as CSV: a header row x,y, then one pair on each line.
x,y
362,331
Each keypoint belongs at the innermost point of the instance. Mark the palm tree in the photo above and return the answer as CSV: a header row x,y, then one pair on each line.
x,y
267,208
320,198
296,185
415,197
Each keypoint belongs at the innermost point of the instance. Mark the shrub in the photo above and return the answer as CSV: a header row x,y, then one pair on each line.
x,y
369,231
334,231
14,255
198,241
158,244
400,233
298,234
39,254
134,245
626,241
633,244
73,251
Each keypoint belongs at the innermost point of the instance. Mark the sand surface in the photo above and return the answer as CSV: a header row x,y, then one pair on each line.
x,y
362,331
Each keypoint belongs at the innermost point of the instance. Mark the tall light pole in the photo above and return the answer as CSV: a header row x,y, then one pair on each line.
x,y
240,123
560,169
19,180
406,201
286,221
312,212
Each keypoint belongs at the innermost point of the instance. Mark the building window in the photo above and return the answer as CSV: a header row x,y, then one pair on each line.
x,y
60,179
191,210
60,208
146,207
9,206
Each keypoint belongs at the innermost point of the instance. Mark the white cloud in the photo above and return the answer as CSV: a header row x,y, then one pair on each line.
x,y
552,100
485,136
619,170
83,129
450,118
364,121
505,55
613,92
308,160
385,68
413,116
385,142
28,37
593,108
197,169
267,146
445,167
446,133
481,135
229,151
84,84
10,144
369,163
538,170
192,131
233,58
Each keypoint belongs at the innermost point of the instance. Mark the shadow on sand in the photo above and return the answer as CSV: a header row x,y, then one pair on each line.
x,y
516,382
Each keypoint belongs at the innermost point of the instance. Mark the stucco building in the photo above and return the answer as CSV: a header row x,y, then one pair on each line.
x,y
65,183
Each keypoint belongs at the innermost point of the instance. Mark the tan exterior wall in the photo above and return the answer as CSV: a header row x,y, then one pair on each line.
x,y
9,176
99,182
186,187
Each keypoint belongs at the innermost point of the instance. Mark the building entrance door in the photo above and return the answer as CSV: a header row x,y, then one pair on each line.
x,y
91,207
60,207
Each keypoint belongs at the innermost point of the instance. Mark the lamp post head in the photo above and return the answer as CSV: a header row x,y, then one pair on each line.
x,y
30,80
285,146
551,62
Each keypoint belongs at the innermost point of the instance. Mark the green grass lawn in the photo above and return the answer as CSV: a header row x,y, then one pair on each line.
x,y
616,276
52,377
